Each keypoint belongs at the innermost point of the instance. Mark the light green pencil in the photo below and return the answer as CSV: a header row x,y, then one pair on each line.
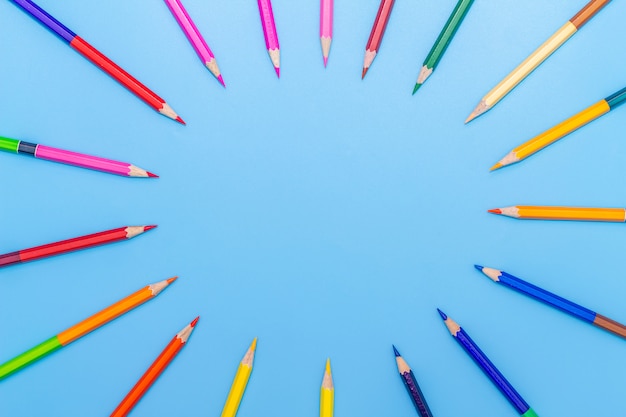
x,y
444,39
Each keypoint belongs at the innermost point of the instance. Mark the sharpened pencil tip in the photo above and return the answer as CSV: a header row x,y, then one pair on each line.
x,y
277,69
328,365
151,175
442,314
193,323
496,166
495,211
417,87
480,268
395,351
253,345
181,121
364,72
170,280
152,226
325,61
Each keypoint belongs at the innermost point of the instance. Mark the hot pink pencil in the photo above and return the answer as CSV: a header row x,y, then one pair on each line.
x,y
72,158
194,36
269,30
326,27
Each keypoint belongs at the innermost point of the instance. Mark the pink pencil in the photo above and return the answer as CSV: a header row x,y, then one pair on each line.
x,y
195,38
269,30
72,158
326,27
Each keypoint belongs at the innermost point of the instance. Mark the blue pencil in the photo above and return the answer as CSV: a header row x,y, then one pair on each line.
x,y
554,300
413,388
488,368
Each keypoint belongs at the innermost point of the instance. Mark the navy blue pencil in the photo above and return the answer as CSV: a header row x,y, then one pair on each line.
x,y
487,367
554,300
412,386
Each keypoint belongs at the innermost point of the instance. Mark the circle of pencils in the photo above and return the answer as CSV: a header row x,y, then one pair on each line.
x,y
327,393
553,300
72,158
74,244
99,59
537,57
562,129
562,213
412,387
155,370
83,328
326,27
487,367
240,382
443,41
195,38
270,34
377,33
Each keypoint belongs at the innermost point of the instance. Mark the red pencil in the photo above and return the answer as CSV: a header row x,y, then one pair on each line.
x,y
70,245
154,371
376,36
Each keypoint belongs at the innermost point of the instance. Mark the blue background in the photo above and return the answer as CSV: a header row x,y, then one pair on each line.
x,y
326,215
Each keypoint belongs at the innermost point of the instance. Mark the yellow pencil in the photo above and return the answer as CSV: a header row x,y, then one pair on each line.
x,y
559,131
240,382
327,393
537,57
563,213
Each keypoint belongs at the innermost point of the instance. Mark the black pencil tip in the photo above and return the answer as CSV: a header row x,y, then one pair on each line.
x,y
480,268
442,314
396,351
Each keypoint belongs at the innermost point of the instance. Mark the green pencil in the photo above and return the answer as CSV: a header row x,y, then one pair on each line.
x,y
444,39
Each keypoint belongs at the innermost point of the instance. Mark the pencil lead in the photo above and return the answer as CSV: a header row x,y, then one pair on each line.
x,y
395,351
442,314
151,175
253,345
181,121
152,226
495,211
364,72
480,268
496,166
328,365
277,69
417,87
193,323
325,61
170,280
221,80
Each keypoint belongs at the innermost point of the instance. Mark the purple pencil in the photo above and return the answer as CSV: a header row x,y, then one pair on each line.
x,y
412,386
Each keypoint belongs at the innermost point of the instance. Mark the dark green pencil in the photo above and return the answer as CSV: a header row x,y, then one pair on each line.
x,y
444,39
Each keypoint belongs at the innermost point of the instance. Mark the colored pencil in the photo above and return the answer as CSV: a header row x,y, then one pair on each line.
x,y
72,158
377,33
269,31
83,328
553,300
195,38
563,129
487,367
155,370
537,57
326,27
563,213
443,41
412,386
99,59
74,244
327,393
240,383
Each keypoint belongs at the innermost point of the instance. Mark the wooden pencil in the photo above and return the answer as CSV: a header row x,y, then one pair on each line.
x,y
412,387
270,34
588,214
377,33
537,57
240,382
563,129
553,300
327,393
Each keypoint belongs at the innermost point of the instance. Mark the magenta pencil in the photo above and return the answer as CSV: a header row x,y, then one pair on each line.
x,y
326,27
269,31
72,158
195,37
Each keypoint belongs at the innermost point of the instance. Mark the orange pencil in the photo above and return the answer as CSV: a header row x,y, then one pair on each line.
x,y
154,371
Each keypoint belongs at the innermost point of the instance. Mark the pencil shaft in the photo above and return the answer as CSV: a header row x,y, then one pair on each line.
x,y
415,392
30,356
616,99
587,12
565,213
46,19
447,33
237,390
326,18
269,32
190,30
377,33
